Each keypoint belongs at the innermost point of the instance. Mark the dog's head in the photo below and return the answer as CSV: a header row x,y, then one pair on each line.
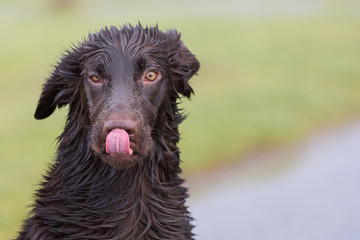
x,y
118,83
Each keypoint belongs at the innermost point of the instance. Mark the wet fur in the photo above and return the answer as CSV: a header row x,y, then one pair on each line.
x,y
86,196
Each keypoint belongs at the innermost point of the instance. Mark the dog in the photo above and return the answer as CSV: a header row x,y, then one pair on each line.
x,y
116,173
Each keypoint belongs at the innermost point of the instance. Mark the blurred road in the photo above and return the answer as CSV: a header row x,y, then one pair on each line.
x,y
315,198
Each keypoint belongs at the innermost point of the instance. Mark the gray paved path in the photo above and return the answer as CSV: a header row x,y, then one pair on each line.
x,y
317,198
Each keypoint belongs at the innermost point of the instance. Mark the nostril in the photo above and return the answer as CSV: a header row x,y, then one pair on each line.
x,y
130,126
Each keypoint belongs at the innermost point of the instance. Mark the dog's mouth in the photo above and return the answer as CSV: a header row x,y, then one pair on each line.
x,y
117,148
118,143
120,147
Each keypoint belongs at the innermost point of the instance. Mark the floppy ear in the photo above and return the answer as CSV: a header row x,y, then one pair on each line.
x,y
183,64
61,88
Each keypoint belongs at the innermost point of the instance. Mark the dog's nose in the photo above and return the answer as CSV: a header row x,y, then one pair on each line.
x,y
129,125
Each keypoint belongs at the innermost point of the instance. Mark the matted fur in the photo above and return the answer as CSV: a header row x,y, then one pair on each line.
x,y
82,195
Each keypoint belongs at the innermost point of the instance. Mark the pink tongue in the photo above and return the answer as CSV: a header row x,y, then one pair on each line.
x,y
117,142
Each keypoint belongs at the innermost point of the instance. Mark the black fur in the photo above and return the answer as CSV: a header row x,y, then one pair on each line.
x,y
88,194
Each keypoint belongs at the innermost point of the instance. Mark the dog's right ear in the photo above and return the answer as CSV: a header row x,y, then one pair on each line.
x,y
60,89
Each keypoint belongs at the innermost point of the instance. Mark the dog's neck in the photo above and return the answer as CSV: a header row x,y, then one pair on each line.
x,y
89,197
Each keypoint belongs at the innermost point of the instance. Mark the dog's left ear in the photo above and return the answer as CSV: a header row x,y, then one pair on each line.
x,y
183,63
62,86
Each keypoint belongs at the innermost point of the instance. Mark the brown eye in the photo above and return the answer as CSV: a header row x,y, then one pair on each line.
x,y
151,76
95,79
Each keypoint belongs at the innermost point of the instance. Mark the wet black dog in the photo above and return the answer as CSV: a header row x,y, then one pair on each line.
x,y
116,174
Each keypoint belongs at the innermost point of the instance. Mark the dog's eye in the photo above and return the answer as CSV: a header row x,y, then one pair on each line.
x,y
95,79
151,76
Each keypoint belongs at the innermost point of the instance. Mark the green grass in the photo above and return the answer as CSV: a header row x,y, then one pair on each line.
x,y
263,82
269,82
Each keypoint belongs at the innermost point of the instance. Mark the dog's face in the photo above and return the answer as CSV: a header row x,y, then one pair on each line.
x,y
120,80
124,93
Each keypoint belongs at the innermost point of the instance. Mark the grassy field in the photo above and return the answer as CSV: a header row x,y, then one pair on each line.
x,y
263,82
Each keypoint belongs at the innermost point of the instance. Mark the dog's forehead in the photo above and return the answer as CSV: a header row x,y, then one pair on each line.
x,y
114,54
121,65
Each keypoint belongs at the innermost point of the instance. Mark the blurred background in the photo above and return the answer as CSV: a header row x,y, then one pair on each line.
x,y
270,147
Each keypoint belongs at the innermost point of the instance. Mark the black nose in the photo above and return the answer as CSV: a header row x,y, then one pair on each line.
x,y
129,125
